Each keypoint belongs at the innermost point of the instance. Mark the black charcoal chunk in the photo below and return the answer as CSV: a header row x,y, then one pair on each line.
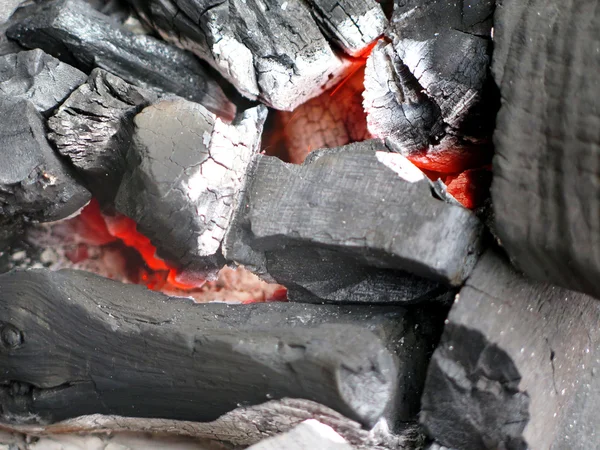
x,y
93,128
516,367
271,50
34,184
546,171
77,34
361,201
186,169
38,77
150,356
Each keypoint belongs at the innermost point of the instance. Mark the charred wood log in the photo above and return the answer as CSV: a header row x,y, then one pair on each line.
x,y
516,366
76,33
271,50
546,185
93,128
38,77
75,344
186,171
362,205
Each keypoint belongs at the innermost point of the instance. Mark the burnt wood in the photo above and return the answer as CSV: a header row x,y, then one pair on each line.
x,y
38,77
516,367
73,343
546,185
93,128
76,33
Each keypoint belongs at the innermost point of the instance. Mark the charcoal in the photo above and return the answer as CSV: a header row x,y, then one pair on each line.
x,y
516,367
34,184
430,87
146,355
77,34
271,50
186,168
371,206
352,24
93,128
310,434
39,78
7,7
546,174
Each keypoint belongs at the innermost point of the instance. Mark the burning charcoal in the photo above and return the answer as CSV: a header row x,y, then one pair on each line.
x,y
360,203
516,366
271,50
310,434
186,170
546,185
39,78
352,24
148,355
93,128
34,184
74,32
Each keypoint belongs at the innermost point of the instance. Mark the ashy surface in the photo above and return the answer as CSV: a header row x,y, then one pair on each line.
x,y
186,168
93,129
38,77
77,34
516,367
546,171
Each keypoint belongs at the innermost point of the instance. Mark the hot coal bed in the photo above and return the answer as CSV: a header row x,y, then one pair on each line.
x,y
300,224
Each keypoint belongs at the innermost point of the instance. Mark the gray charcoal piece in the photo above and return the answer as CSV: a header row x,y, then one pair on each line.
x,y
186,169
147,355
76,33
268,49
38,77
309,435
34,183
546,174
93,128
352,24
360,200
7,7
516,367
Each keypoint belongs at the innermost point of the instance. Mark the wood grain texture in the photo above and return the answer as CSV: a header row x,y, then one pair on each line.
x,y
546,171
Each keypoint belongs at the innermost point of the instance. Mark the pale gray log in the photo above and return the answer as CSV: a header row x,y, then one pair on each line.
x,y
74,32
516,367
546,172
93,128
186,171
309,435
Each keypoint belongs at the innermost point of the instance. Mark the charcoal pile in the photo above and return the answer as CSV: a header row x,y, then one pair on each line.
x,y
285,224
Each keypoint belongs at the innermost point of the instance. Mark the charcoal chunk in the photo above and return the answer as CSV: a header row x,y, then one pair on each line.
x,y
361,201
150,356
39,78
77,34
93,128
516,367
269,49
546,173
186,169
34,183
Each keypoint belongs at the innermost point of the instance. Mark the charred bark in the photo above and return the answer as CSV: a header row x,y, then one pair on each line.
x,y
546,185
74,32
73,344
516,366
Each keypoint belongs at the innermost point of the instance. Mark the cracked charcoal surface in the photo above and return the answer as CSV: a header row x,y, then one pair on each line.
x,y
372,206
430,88
269,49
34,183
546,173
38,77
350,359
186,169
516,365
93,128
74,32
